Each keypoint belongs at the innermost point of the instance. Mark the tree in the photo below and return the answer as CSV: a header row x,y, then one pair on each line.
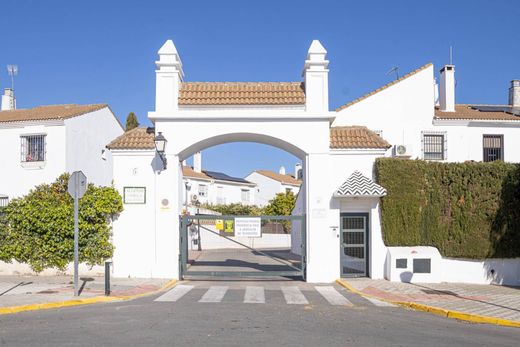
x,y
282,204
131,121
38,229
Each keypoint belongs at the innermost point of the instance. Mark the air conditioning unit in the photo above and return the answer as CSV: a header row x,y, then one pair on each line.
x,y
403,151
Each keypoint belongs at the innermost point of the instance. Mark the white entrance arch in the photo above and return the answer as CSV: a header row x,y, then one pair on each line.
x,y
292,116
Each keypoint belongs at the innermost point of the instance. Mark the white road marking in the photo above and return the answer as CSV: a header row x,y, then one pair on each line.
x,y
254,295
294,296
380,302
214,294
175,293
332,296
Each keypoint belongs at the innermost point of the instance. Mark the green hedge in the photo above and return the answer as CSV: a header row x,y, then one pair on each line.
x,y
468,210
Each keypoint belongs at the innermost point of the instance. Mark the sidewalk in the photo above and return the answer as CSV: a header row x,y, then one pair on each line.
x,y
497,302
32,290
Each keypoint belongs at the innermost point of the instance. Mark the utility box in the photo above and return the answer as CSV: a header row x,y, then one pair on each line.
x,y
413,264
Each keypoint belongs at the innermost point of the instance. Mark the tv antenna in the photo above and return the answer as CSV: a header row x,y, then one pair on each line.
x,y
451,55
12,70
392,70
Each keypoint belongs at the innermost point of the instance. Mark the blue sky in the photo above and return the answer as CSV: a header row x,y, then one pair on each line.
x,y
104,51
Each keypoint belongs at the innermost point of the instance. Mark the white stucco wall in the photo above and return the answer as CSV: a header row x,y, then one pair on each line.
x,y
267,188
85,139
134,232
506,271
401,111
18,178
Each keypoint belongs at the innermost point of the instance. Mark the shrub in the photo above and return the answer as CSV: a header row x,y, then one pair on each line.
x,y
39,227
235,209
468,210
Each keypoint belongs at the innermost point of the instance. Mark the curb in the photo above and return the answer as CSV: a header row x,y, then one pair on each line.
x,y
463,316
80,302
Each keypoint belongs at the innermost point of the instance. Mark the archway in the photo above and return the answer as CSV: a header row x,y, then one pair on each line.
x,y
212,240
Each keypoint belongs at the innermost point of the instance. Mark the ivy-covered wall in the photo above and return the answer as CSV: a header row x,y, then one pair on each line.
x,y
466,210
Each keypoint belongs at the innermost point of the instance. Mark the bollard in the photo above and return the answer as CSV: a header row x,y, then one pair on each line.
x,y
107,277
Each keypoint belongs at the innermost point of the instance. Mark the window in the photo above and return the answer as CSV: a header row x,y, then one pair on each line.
x,y
434,146
245,196
33,148
203,190
288,190
4,200
493,147
221,200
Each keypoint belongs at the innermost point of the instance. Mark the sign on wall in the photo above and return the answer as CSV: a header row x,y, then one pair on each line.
x,y
248,227
134,195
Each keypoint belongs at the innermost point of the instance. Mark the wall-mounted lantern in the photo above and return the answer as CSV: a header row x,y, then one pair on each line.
x,y
160,146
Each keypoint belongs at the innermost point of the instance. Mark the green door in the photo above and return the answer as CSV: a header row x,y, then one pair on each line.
x,y
354,244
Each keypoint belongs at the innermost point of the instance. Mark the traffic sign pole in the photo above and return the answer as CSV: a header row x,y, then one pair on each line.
x,y
77,187
76,247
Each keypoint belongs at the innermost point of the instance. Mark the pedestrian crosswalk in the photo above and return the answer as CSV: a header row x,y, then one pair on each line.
x,y
292,295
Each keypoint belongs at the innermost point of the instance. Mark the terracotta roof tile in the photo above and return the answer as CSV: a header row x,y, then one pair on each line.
x,y
138,138
49,112
188,171
465,112
350,137
384,87
287,179
242,93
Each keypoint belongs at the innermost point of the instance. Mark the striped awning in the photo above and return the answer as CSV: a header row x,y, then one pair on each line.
x,y
358,185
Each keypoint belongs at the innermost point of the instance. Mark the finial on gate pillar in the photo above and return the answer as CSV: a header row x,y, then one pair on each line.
x,y
316,76
169,75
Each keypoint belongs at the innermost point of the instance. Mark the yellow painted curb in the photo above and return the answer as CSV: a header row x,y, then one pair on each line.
x,y
79,302
468,317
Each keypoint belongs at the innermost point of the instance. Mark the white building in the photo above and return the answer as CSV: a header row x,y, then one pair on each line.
x,y
269,183
215,188
338,199
422,123
41,143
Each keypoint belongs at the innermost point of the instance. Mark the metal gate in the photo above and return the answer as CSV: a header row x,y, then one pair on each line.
x,y
354,244
291,269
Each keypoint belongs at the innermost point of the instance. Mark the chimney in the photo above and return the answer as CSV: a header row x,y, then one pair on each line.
x,y
168,78
297,170
8,101
316,77
447,89
197,162
282,170
514,93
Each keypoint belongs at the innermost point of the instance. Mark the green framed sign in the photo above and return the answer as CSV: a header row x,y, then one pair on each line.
x,y
134,195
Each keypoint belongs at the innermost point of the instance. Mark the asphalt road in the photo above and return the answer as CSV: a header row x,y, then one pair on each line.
x,y
320,318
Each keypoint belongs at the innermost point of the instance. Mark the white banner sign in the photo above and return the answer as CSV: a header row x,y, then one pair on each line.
x,y
248,227
134,195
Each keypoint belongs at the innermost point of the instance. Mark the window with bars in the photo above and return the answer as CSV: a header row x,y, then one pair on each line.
x,y
434,146
4,200
493,147
32,148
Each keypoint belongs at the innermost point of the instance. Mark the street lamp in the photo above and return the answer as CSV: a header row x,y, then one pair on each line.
x,y
160,146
